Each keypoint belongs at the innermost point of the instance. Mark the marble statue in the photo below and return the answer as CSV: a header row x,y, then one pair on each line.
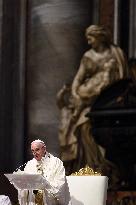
x,y
102,65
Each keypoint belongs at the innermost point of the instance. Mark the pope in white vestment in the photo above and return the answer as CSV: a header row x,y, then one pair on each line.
x,y
56,191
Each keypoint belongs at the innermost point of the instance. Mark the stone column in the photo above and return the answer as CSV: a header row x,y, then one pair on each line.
x,y
116,21
12,77
107,14
132,29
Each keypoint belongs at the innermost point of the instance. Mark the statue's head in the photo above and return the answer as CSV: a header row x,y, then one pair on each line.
x,y
101,33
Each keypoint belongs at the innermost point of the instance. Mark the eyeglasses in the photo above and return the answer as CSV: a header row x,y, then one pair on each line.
x,y
36,150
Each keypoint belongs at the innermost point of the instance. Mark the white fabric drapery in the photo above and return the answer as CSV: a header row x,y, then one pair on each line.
x,y
4,200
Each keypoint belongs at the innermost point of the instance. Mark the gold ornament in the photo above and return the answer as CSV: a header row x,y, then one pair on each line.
x,y
87,171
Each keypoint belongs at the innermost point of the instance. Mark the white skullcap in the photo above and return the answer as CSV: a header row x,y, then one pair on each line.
x,y
38,141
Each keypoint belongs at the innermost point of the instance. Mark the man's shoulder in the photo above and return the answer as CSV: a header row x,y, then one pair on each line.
x,y
32,161
30,165
55,158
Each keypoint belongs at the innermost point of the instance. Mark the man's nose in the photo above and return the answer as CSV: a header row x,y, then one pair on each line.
x,y
34,152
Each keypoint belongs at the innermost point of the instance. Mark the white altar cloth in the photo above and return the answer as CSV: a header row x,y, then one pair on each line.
x,y
88,190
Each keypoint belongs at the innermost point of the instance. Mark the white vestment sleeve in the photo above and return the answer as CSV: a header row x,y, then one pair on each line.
x,y
57,180
57,185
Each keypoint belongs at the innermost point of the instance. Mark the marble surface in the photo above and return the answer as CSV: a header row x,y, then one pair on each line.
x,y
56,43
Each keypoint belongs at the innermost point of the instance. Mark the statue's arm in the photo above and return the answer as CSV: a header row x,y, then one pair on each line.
x,y
78,79
60,96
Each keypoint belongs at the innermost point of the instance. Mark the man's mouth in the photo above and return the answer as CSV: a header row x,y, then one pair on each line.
x,y
36,156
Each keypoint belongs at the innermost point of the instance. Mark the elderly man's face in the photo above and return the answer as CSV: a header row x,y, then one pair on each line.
x,y
38,150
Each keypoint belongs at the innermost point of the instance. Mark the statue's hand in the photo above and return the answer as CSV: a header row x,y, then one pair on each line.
x,y
66,87
110,64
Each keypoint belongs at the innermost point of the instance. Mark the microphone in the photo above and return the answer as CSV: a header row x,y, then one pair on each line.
x,y
17,169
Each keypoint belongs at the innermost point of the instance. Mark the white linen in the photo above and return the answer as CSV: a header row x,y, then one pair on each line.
x,y
88,190
4,200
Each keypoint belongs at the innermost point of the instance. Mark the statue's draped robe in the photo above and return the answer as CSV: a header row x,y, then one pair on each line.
x,y
95,73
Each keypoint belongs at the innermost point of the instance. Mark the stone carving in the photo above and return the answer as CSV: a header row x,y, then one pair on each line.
x,y
102,65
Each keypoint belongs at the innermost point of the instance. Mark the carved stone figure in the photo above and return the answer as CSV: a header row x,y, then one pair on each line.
x,y
67,125
102,65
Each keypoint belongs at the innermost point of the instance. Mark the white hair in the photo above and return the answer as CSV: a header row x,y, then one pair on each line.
x,y
38,141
